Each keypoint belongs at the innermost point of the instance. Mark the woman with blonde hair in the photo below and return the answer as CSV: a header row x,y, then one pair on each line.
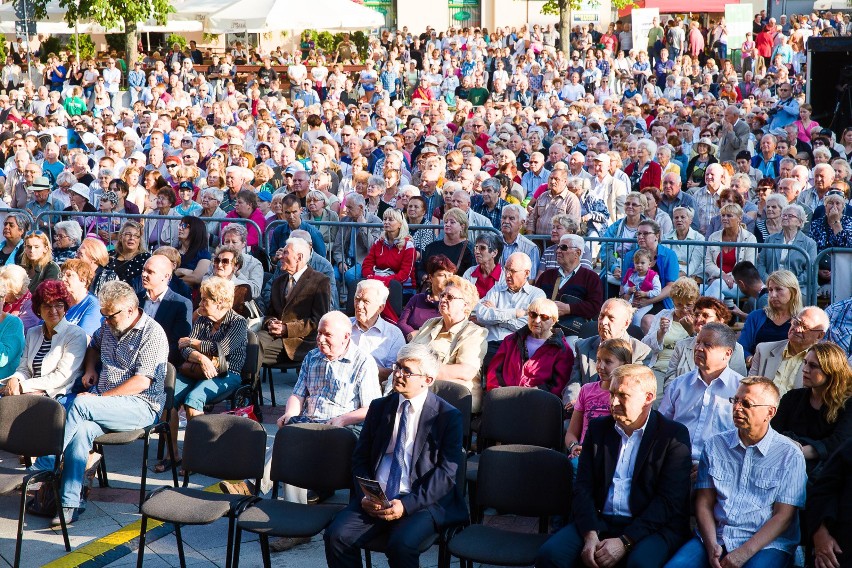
x,y
129,255
391,260
720,261
459,343
93,252
136,192
671,325
772,323
815,416
38,259
455,244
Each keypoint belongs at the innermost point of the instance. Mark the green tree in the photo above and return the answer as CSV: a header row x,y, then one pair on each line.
x,y
562,8
110,14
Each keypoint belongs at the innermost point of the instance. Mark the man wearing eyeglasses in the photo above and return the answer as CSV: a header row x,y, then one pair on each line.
x,y
751,483
782,361
699,398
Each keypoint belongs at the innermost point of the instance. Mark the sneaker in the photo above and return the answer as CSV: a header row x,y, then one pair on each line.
x,y
286,543
316,497
71,514
238,488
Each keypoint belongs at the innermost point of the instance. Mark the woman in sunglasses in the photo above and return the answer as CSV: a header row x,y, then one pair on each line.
x,y
536,356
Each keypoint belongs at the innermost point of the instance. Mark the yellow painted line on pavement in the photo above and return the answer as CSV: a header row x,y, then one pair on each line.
x,y
105,544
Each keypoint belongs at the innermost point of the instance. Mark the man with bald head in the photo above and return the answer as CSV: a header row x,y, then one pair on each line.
x,y
782,361
168,308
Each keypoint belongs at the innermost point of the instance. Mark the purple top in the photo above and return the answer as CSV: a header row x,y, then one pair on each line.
x,y
416,312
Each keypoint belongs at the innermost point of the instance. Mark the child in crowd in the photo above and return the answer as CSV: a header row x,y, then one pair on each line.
x,y
640,282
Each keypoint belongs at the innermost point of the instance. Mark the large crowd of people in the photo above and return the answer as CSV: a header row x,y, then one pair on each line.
x,y
436,215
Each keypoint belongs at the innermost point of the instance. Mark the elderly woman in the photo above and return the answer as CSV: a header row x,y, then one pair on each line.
x,y
664,158
227,263
835,228
488,250
391,259
720,261
194,256
66,239
816,416
129,255
375,190
80,202
670,326
38,259
12,334
536,356
454,245
682,360
770,224
459,343
772,323
690,257
645,172
697,166
215,352
93,252
17,299
769,260
424,306
725,197
54,351
318,210
415,213
84,309
161,232
211,198
246,208
12,246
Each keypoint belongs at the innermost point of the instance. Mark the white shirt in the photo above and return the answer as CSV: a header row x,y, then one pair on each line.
x,y
152,306
383,341
618,497
704,409
501,320
414,412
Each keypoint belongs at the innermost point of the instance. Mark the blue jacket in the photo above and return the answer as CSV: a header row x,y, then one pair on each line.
x,y
666,262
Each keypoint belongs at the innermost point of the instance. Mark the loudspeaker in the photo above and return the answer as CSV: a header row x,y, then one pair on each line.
x,y
829,73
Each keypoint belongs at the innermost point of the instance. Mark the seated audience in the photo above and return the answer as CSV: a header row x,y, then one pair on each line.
x,y
166,307
487,251
720,261
793,218
772,323
38,259
751,482
617,517
424,306
391,258
827,511
83,309
372,334
194,256
454,244
129,255
93,252
66,238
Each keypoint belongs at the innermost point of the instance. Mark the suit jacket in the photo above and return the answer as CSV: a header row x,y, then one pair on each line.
x,y
767,359
309,300
734,141
769,260
436,459
175,317
683,360
659,491
585,356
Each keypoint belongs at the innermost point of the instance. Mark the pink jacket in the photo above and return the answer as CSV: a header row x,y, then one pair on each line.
x,y
549,369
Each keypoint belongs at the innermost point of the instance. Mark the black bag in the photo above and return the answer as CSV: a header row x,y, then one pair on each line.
x,y
44,502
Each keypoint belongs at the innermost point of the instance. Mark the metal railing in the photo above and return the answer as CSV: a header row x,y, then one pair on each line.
x,y
831,252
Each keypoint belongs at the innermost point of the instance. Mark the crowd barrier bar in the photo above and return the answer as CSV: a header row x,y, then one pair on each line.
x,y
26,212
830,252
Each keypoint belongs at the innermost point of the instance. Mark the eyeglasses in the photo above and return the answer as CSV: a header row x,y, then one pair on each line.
x,y
449,297
796,323
222,261
58,307
536,315
398,369
564,248
745,404
110,316
172,165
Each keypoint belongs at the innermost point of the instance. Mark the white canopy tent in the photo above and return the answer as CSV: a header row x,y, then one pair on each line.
x,y
262,16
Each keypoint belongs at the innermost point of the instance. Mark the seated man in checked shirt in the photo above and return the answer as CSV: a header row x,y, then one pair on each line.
x,y
751,482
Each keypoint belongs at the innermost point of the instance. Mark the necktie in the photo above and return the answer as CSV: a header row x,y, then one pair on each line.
x,y
288,287
392,488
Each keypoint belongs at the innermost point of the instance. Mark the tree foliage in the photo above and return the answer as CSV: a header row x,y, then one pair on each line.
x,y
111,14
562,8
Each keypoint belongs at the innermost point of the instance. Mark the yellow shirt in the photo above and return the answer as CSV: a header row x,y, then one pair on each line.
x,y
788,370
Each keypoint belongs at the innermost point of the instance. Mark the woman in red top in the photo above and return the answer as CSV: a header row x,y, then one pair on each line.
x,y
391,258
645,172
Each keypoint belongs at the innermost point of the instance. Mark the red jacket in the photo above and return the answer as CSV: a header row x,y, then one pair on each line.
x,y
549,369
384,256
652,177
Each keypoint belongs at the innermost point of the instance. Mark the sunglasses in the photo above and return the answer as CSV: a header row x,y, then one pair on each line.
x,y
536,315
222,261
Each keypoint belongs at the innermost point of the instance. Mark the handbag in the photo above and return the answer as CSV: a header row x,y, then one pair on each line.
x,y
245,412
195,371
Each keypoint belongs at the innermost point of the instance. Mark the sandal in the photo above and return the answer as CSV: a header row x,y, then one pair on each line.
x,y
165,465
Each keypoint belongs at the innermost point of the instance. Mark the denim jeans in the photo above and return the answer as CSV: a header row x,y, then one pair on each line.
x,y
693,555
88,417
195,394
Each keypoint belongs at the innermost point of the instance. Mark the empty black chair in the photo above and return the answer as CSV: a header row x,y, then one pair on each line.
x,y
161,427
460,397
31,425
315,456
523,480
220,446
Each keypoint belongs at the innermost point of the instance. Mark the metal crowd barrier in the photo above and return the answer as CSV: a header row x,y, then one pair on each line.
x,y
142,217
841,287
5,212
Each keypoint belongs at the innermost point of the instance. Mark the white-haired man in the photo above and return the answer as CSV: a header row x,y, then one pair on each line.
x,y
511,221
370,332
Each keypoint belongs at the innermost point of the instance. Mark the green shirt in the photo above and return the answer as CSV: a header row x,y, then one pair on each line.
x,y
477,96
654,35
74,106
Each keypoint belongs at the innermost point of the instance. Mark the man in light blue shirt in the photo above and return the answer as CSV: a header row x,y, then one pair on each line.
x,y
503,310
536,175
751,482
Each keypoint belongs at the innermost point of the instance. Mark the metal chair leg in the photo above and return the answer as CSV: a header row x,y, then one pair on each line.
x,y
62,523
143,482
368,560
231,528
264,551
238,537
179,538
20,538
270,370
103,480
140,557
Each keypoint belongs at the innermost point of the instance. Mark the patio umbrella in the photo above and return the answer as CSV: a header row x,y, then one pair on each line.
x,y
262,16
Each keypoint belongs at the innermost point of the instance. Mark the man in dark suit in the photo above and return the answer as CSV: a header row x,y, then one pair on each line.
x,y
300,297
168,308
631,495
411,443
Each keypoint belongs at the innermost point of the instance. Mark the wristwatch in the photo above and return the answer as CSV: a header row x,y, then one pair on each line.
x,y
626,542
572,445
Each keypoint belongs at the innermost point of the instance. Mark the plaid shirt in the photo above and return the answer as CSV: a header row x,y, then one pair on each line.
x,y
840,330
494,215
334,388
141,350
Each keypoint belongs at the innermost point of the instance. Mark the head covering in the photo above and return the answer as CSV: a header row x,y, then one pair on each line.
x,y
40,183
80,189
110,196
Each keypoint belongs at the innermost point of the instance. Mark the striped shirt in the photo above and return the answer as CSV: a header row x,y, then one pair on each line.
x,y
333,388
141,350
40,355
230,339
748,481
